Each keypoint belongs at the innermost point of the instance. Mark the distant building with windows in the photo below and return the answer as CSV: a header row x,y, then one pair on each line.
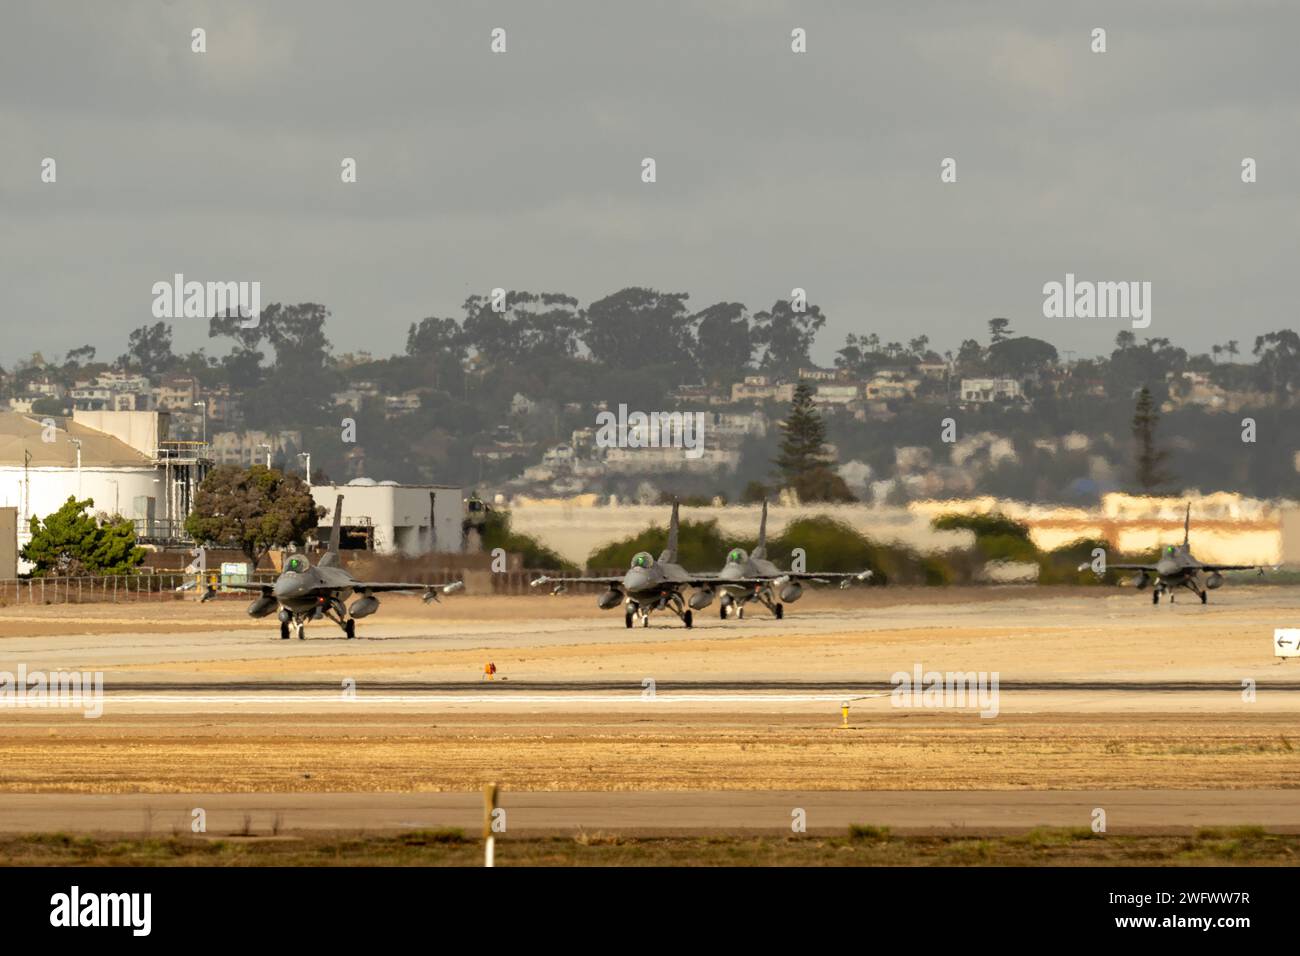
x,y
981,391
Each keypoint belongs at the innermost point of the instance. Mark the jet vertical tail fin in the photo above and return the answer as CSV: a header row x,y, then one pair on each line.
x,y
336,531
1187,525
331,556
760,549
670,553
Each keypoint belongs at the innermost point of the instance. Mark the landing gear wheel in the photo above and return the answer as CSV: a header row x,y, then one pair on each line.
x,y
302,632
350,629
722,612
779,611
740,612
284,630
645,619
627,619
688,619
1205,597
1155,597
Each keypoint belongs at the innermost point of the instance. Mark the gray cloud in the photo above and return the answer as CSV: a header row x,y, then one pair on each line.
x,y
775,170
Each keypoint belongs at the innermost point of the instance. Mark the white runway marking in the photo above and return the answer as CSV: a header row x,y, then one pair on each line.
x,y
493,699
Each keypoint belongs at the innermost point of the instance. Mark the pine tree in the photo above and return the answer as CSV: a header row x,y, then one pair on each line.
x,y
804,433
1150,459
802,461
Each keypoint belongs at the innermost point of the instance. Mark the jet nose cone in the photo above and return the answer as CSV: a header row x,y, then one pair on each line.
x,y
636,579
1166,566
285,587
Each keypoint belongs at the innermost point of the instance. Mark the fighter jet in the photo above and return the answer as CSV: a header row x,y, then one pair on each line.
x,y
1177,568
305,593
747,578
649,585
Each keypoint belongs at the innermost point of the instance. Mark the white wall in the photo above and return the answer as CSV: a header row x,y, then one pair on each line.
x,y
51,487
399,514
143,431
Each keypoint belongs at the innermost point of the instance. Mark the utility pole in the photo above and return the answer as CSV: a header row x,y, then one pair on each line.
x,y
77,442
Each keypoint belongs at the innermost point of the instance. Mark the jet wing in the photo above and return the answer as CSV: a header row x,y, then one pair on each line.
x,y
1122,567
1233,567
825,577
431,591
845,578
560,583
379,587
211,590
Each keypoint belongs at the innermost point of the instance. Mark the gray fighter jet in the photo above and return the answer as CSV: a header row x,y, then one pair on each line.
x,y
649,585
748,578
1177,568
305,593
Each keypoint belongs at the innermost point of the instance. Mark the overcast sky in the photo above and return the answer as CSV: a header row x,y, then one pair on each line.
x,y
775,170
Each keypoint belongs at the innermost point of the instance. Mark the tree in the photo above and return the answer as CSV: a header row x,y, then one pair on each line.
x,y
71,543
1150,459
1278,370
533,327
149,349
723,346
1021,356
786,336
802,461
999,329
254,510
81,356
434,336
634,325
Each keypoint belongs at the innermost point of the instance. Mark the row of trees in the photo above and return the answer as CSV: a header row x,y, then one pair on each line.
x,y
631,330
636,346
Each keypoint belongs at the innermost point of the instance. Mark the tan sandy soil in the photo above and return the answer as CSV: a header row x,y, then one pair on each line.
x,y
891,750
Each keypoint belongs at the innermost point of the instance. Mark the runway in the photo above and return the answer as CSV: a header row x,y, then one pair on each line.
x,y
1096,691
655,813
719,687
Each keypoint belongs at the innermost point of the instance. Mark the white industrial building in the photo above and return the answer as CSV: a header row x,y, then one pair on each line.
x,y
395,519
120,460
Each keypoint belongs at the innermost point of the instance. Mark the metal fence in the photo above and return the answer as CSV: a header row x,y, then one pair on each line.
x,y
520,582
178,585
109,588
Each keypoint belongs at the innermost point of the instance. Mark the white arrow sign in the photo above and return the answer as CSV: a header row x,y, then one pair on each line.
x,y
1286,642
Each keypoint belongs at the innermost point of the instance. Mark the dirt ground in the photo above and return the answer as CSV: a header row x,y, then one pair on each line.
x,y
861,846
889,750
